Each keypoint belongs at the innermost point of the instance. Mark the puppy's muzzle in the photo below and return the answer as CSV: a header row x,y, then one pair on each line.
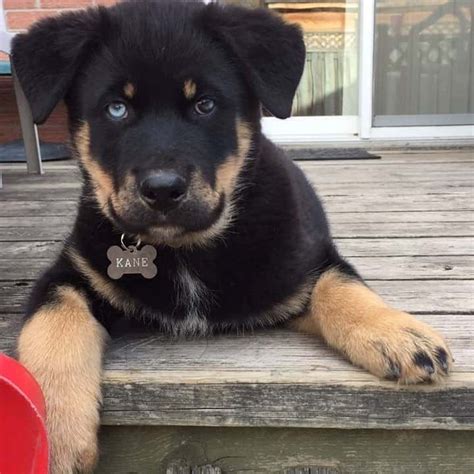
x,y
163,191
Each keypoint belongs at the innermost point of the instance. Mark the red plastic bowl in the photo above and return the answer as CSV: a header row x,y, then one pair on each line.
x,y
23,436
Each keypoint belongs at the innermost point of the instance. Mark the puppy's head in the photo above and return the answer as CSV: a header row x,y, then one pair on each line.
x,y
164,103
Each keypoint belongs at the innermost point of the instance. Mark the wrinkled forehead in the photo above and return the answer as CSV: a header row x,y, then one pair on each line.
x,y
158,57
160,75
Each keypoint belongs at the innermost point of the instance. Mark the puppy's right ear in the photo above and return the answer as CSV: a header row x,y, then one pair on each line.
x,y
49,55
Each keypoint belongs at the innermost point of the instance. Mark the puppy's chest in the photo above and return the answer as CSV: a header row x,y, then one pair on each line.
x,y
187,299
193,301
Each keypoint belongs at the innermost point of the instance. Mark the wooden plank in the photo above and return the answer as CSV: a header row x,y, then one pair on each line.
x,y
406,175
13,297
417,267
286,405
414,296
287,356
450,267
432,196
410,158
46,231
384,247
392,167
49,167
340,170
296,382
10,325
58,176
412,188
149,449
412,163
25,204
339,218
422,296
333,203
350,177
401,229
27,250
428,204
22,269
401,217
43,186
53,194
37,208
347,202
56,222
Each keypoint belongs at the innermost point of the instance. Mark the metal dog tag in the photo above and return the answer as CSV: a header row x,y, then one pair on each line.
x,y
131,261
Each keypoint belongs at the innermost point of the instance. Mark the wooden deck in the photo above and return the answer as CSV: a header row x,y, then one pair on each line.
x,y
405,221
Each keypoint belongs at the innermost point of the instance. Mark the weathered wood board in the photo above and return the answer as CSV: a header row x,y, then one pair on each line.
x,y
264,450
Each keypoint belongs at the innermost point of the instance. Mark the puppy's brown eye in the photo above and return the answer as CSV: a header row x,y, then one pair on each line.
x,y
204,106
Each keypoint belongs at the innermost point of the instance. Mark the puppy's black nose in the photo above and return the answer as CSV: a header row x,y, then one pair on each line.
x,y
163,191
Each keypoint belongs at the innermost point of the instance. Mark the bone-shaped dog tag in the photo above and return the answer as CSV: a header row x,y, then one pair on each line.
x,y
131,261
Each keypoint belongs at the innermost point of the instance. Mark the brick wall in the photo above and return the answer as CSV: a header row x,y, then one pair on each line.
x,y
19,15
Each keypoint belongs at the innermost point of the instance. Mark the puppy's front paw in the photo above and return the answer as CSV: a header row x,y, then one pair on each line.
x,y
396,346
62,346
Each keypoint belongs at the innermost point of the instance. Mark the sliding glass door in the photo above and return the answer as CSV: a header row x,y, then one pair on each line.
x,y
424,63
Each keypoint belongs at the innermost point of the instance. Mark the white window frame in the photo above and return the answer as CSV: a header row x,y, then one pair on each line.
x,y
359,128
309,129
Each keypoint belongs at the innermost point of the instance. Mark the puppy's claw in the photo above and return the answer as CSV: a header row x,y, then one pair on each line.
x,y
423,360
394,371
442,358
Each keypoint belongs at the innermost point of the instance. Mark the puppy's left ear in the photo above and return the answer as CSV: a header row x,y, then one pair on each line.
x,y
47,58
270,51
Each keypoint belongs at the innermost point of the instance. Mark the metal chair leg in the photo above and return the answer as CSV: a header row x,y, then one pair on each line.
x,y
28,130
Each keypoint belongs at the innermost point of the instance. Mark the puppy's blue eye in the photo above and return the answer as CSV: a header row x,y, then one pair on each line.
x,y
117,110
204,106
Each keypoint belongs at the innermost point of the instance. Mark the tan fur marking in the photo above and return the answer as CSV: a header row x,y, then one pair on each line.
x,y
126,194
200,188
356,321
189,89
105,288
62,346
129,90
227,172
102,182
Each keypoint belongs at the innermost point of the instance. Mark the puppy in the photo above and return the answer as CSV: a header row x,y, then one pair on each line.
x,y
164,102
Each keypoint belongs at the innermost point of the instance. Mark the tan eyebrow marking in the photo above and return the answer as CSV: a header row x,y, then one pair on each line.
x,y
129,90
189,89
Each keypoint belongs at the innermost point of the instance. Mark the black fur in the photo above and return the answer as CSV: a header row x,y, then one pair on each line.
x,y
279,239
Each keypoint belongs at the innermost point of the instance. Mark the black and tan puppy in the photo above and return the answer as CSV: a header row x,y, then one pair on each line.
x,y
164,103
